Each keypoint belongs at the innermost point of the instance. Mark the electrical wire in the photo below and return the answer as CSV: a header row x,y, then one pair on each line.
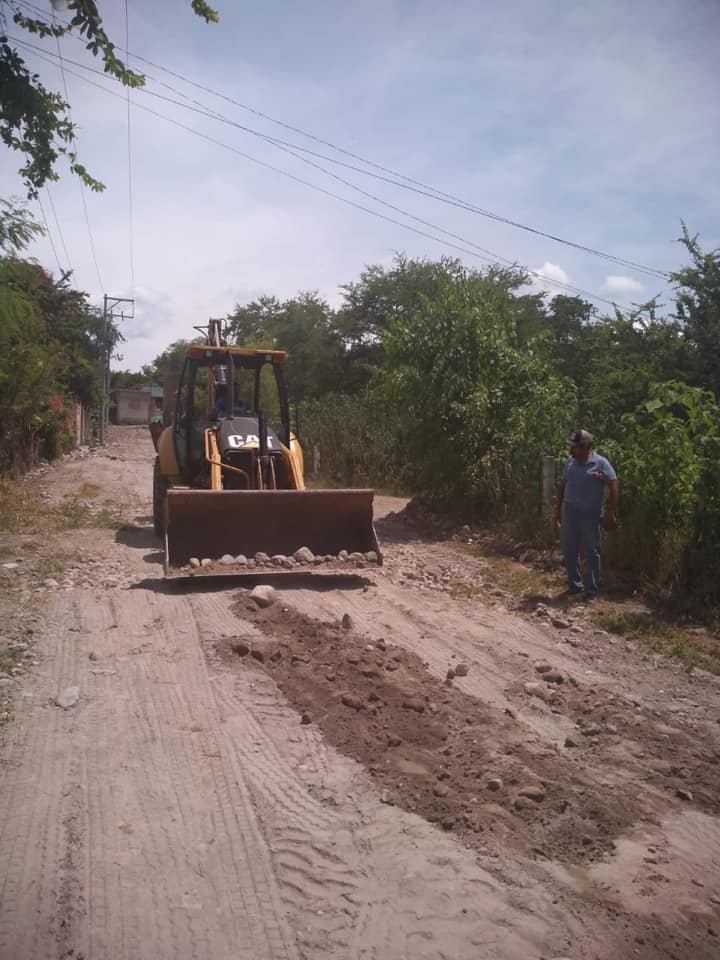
x,y
49,235
489,259
80,183
397,179
409,183
287,148
59,228
129,161
492,258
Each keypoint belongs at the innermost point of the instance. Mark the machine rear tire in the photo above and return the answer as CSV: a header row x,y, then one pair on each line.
x,y
160,488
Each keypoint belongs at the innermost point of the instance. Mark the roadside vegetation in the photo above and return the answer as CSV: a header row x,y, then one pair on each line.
x,y
434,380
657,627
452,384
695,646
53,344
24,511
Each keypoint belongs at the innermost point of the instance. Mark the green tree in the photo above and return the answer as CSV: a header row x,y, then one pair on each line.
x,y
168,363
27,370
129,380
304,326
698,310
381,296
612,361
51,342
667,458
35,121
476,410
256,323
17,227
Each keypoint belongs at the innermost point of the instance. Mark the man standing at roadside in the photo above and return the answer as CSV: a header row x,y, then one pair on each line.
x,y
580,502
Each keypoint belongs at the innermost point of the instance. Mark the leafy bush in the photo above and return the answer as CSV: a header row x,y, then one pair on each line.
x,y
356,441
476,410
50,343
668,464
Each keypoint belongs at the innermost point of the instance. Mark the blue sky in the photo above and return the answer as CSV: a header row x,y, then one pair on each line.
x,y
596,122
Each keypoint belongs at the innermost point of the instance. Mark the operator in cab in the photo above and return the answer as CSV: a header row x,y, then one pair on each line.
x,y
219,408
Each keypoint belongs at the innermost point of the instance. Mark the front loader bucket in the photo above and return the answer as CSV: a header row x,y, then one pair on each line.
x,y
212,523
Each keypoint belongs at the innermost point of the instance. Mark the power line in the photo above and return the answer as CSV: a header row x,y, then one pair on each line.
x,y
490,259
59,228
409,183
49,235
416,186
463,249
129,161
80,183
288,148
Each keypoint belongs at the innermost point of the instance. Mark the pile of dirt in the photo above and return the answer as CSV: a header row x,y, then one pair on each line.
x,y
419,517
433,749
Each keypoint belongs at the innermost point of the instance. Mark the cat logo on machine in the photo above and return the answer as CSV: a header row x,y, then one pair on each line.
x,y
237,441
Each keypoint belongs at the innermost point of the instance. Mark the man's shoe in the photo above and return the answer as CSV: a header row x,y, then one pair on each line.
x,y
590,597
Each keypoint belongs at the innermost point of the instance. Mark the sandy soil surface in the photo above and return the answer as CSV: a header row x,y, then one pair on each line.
x,y
380,767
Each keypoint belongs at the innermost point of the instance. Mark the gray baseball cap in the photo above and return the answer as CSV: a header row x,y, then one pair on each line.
x,y
580,438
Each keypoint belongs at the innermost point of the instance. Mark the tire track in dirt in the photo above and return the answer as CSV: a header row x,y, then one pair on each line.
x,y
188,813
177,701
108,914
98,853
29,845
402,887
314,881
383,918
583,811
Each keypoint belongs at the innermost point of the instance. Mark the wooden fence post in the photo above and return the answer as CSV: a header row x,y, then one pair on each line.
x,y
548,481
316,461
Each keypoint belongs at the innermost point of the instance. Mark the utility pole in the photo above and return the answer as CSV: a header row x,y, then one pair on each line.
x,y
110,312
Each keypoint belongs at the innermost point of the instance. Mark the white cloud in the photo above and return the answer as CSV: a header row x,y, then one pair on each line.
x,y
548,278
552,272
618,284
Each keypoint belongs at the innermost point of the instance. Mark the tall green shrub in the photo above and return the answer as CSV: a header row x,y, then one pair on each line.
x,y
668,462
357,442
475,410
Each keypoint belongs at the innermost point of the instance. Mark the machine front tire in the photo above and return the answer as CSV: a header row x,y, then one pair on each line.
x,y
160,488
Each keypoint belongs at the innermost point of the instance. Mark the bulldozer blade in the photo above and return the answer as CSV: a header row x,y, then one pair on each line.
x,y
212,523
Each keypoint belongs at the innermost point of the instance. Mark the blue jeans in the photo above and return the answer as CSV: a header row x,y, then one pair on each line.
x,y
581,530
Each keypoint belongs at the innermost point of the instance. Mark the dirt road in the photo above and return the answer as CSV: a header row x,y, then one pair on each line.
x,y
236,783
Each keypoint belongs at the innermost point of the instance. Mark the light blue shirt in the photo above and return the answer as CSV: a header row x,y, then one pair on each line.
x,y
585,483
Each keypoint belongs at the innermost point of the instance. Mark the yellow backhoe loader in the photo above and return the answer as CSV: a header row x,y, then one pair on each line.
x,y
228,489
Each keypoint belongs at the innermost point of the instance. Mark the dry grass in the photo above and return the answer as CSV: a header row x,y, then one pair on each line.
x,y
522,581
461,590
54,566
8,661
693,646
23,511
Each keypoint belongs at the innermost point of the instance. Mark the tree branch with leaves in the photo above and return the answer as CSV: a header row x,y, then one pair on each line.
x,y
36,121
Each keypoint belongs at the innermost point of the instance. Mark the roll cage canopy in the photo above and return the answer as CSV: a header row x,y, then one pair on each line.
x,y
223,362
212,353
